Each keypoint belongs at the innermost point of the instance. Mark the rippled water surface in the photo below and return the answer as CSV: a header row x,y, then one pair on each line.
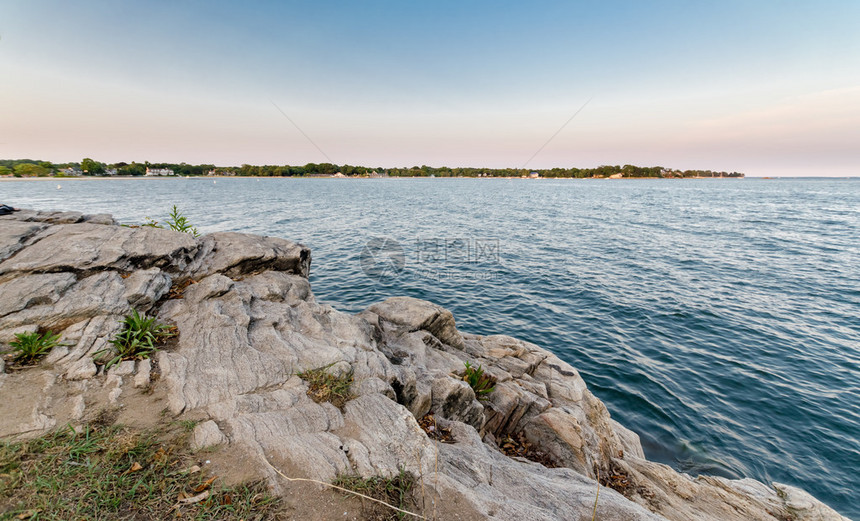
x,y
719,319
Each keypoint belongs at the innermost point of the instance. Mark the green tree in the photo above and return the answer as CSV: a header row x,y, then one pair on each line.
x,y
5,171
92,167
31,170
132,169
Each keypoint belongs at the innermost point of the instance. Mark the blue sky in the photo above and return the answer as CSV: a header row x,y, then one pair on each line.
x,y
766,87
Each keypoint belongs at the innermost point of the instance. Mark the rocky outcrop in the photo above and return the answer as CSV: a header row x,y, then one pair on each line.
x,y
249,325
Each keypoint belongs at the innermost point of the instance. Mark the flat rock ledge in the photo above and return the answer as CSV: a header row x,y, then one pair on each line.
x,y
249,324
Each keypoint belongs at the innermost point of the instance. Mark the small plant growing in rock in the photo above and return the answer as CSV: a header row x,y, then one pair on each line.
x,y
32,346
138,339
483,384
179,223
326,387
150,223
187,425
176,222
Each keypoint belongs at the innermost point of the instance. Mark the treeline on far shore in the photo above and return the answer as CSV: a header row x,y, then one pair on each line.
x,y
90,167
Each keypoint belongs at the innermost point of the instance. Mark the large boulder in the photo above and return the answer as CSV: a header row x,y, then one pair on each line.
x,y
410,314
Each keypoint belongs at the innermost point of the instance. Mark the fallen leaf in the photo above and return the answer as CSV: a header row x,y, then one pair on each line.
x,y
135,467
206,484
195,499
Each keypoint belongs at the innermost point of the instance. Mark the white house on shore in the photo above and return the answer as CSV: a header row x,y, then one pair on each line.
x,y
159,171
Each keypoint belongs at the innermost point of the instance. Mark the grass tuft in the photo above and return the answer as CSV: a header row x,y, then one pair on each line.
x,y
397,491
32,346
115,473
138,339
187,425
326,387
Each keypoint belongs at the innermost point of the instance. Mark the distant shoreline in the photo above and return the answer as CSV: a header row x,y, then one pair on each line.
x,y
165,178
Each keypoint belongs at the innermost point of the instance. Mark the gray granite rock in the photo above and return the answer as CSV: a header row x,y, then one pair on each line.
x,y
248,324
238,254
143,288
33,290
124,368
83,369
411,314
143,375
15,235
88,247
206,434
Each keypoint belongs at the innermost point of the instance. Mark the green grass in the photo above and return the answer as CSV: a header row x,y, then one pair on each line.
x,y
397,491
32,346
326,387
187,425
483,384
114,473
138,339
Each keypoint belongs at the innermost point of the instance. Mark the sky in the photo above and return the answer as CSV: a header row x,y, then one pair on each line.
x,y
762,87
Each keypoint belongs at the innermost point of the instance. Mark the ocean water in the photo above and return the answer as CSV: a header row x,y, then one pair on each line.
x,y
719,319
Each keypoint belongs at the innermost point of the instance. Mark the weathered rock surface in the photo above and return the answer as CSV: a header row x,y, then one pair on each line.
x,y
249,324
